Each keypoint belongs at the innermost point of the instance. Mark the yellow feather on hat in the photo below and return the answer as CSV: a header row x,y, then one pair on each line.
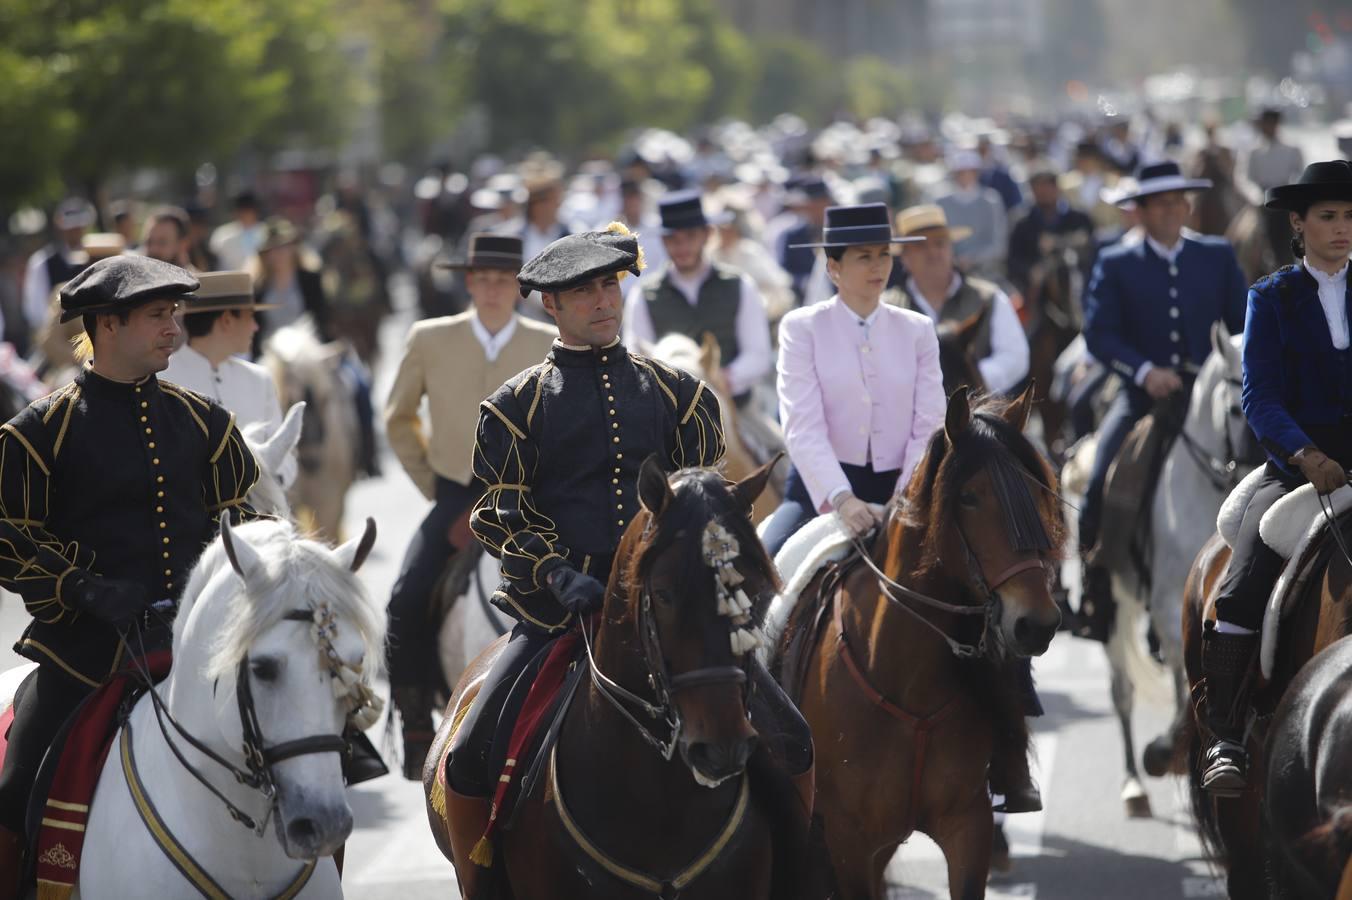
x,y
621,228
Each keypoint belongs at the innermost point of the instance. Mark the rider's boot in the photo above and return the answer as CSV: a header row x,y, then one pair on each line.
x,y
1226,662
414,703
1016,784
11,861
1097,607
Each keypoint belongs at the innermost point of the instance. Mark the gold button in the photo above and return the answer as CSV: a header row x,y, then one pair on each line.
x,y
168,585
615,425
618,455
605,358
159,509
620,523
166,554
163,525
166,540
617,440
617,471
143,418
138,390
615,480
160,493
618,492
155,461
144,404
620,507
168,572
610,399
152,445
160,479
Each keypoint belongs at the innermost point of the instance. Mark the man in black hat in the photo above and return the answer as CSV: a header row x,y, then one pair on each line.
x,y
695,297
1272,163
807,198
559,448
454,362
1048,226
58,262
109,489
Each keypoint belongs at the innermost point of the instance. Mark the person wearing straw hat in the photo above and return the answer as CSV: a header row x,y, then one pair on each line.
x,y
454,362
288,280
934,287
1298,401
979,209
850,454
694,297
1149,310
110,487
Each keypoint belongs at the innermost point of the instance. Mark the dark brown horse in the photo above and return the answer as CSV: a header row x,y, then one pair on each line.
x,y
1055,286
1307,804
657,783
1231,828
957,360
903,669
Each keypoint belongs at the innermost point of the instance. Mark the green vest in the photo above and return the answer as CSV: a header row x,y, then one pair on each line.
x,y
973,296
715,310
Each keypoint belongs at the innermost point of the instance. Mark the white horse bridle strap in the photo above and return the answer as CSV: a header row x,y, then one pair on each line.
x,y
634,877
178,855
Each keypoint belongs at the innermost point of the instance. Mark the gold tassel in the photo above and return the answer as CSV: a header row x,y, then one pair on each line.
x,y
83,349
51,890
437,797
482,855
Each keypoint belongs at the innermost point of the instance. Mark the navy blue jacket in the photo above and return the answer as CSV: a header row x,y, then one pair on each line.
x,y
1293,377
1140,309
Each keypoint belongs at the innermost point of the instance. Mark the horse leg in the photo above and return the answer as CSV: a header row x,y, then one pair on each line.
x,y
965,839
1133,793
1165,754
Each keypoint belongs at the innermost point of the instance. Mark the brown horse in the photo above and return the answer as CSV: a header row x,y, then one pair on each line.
x,y
657,783
957,359
1231,828
1055,286
911,697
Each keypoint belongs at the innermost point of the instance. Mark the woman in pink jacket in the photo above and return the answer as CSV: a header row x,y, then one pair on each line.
x,y
860,391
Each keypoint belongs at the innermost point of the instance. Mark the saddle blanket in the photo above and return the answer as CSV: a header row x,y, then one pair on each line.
x,y
817,544
78,765
1292,527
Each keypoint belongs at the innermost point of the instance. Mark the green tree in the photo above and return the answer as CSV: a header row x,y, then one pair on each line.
x,y
795,77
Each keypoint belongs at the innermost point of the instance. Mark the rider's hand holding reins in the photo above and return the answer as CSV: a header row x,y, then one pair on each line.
x,y
857,516
112,600
1325,474
1160,383
578,592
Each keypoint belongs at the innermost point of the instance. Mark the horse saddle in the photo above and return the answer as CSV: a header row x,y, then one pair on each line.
x,y
816,545
1130,488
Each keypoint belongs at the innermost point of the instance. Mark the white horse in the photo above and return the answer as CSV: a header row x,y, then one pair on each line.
x,y
270,450
472,622
1209,458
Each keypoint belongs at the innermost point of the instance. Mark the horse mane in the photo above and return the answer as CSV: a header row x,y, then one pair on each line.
x,y
699,496
1023,479
299,573
680,352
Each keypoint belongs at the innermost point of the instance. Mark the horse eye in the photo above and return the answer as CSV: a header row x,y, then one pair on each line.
x,y
264,669
968,500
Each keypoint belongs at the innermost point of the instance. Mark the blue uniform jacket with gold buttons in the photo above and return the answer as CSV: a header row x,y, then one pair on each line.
x,y
1141,308
558,450
123,480
1295,381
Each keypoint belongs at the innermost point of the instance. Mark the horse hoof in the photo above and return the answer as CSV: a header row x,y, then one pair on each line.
x,y
1139,807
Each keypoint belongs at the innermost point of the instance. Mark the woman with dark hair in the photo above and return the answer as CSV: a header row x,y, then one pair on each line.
x,y
1298,401
860,390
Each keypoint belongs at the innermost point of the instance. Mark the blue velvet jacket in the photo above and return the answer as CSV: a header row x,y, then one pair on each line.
x,y
1139,308
1293,377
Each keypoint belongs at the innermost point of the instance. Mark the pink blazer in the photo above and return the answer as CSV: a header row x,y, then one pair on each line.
x,y
840,395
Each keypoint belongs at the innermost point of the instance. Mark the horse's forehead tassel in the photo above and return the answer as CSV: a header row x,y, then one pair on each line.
x,y
720,553
347,681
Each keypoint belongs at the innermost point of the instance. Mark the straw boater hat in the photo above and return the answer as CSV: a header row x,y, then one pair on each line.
x,y
220,291
852,226
1161,178
916,219
1320,181
103,244
490,251
278,232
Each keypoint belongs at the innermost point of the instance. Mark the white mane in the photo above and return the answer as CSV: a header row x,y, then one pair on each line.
x,y
301,573
681,352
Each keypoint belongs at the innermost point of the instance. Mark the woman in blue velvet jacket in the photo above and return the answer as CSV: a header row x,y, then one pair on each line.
x,y
1298,401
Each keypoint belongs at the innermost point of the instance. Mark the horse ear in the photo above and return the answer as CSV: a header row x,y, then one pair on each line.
x,y
959,415
1017,413
1220,342
710,355
244,559
654,491
352,554
745,492
273,452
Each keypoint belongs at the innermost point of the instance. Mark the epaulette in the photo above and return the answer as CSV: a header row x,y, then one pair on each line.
x,y
1278,280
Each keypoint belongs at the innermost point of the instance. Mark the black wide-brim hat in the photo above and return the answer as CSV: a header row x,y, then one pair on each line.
x,y
576,259
1330,180
123,283
490,251
853,226
685,209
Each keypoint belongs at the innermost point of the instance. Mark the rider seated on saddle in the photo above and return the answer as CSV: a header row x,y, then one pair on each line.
x,y
559,448
1298,401
109,489
1149,311
455,362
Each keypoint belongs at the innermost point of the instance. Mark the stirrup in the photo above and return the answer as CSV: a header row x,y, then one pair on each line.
x,y
1227,769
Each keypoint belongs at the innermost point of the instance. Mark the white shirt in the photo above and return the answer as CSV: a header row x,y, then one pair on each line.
x,y
754,357
1008,362
492,343
1273,163
37,286
244,388
235,244
1333,297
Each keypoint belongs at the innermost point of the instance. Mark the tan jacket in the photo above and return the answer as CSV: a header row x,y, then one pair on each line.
x,y
445,362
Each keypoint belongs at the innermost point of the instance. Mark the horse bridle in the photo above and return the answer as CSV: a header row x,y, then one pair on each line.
x,y
1222,473
898,594
665,686
259,758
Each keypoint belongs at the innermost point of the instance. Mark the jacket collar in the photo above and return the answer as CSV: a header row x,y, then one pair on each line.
x,y
579,358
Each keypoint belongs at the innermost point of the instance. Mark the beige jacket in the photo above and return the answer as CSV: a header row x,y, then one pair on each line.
x,y
445,362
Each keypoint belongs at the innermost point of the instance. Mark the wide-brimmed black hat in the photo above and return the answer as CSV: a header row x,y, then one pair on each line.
x,y
850,226
123,283
578,258
685,209
1161,178
490,251
1330,180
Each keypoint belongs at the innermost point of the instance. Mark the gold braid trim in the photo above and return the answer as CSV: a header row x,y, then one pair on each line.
x,y
27,446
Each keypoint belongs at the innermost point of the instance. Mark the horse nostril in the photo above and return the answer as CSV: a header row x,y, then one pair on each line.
x,y
302,832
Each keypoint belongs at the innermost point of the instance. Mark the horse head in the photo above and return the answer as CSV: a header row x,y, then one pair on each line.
x,y
990,525
690,565
276,656
1216,418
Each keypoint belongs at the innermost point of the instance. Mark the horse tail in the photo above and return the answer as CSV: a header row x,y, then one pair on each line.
x,y
1145,674
1316,861
1203,804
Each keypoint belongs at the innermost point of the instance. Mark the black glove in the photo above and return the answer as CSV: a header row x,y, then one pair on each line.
x,y
579,593
112,600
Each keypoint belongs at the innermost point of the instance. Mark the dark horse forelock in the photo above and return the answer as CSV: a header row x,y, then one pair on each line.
x,y
1023,482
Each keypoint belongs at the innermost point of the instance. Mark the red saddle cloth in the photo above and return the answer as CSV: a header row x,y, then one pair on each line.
x,y
61,835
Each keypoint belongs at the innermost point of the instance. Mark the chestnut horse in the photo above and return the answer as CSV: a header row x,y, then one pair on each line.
x,y
910,688
657,784
1055,287
1307,804
1231,828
